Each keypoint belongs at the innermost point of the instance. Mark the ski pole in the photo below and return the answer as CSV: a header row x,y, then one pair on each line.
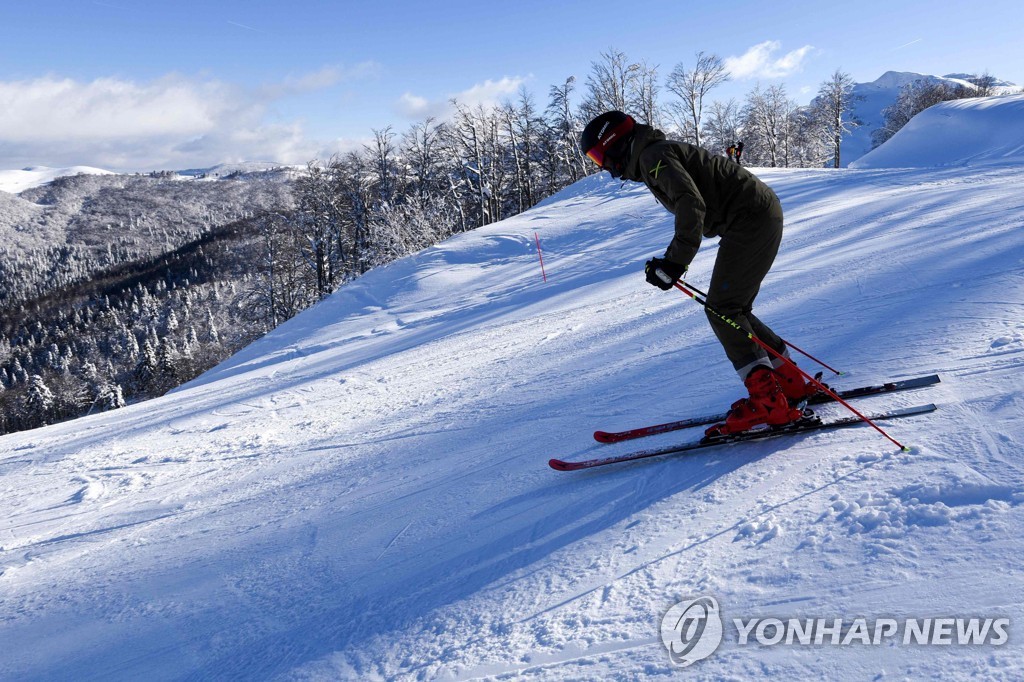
x,y
794,347
684,287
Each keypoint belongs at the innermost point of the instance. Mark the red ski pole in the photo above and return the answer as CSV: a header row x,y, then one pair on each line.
x,y
685,288
794,347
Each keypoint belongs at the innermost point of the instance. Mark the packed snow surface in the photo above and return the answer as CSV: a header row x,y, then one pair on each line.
x,y
364,494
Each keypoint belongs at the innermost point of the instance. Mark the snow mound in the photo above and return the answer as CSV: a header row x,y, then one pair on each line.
x,y
15,181
871,100
968,132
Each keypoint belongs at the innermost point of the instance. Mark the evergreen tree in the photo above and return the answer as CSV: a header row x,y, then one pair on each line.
x,y
39,403
147,369
111,397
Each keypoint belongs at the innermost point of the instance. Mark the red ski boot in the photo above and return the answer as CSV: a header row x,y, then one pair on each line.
x,y
793,384
767,404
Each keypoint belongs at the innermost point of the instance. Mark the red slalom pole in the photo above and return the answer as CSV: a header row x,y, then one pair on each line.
x,y
684,287
794,347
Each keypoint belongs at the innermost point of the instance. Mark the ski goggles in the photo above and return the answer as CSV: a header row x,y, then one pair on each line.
x,y
599,151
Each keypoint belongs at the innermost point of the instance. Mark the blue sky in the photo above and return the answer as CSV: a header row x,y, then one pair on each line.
x,y
130,85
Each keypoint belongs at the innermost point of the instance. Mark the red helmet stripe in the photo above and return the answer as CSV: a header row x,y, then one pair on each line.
x,y
597,152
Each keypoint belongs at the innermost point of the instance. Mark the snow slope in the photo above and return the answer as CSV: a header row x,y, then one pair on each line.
x,y
871,99
363,494
967,132
15,181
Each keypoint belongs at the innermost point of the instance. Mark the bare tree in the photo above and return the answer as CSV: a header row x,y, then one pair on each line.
x,y
834,107
422,148
691,87
565,161
474,141
610,81
985,84
724,124
279,288
643,100
385,172
765,125
810,146
617,84
318,220
522,128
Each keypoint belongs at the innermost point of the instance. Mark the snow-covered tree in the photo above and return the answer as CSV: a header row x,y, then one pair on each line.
x,y
766,126
40,404
111,397
724,123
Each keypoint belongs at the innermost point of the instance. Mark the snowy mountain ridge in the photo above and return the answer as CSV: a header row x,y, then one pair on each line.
x,y
17,181
363,493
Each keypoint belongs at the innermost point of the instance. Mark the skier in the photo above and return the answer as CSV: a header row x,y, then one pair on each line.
x,y
730,152
739,151
711,197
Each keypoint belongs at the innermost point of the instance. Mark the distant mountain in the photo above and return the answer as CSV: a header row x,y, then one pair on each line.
x,y
138,216
20,180
874,97
16,181
235,169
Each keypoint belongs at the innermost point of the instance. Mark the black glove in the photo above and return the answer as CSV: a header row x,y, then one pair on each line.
x,y
673,271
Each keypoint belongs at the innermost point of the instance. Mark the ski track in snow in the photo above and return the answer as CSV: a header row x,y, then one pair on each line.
x,y
363,494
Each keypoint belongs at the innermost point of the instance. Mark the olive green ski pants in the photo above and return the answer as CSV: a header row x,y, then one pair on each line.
x,y
745,255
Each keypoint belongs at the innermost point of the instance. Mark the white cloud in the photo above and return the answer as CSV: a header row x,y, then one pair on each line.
x,y
50,110
169,122
325,78
489,93
416,107
760,61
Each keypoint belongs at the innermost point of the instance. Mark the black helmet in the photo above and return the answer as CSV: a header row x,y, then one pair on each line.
x,y
606,139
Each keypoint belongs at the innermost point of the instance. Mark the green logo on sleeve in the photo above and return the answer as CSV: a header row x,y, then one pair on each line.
x,y
657,169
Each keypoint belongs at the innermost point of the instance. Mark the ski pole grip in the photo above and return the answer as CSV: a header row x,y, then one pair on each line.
x,y
662,276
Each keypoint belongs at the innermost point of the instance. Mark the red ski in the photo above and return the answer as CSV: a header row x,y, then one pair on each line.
x,y
802,426
818,399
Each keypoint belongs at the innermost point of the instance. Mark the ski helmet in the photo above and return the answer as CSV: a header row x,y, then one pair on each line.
x,y
605,138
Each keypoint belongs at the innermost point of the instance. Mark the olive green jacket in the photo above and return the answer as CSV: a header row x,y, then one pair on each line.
x,y
709,195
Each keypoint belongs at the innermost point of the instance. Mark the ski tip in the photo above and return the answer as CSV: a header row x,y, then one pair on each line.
x,y
603,437
559,465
